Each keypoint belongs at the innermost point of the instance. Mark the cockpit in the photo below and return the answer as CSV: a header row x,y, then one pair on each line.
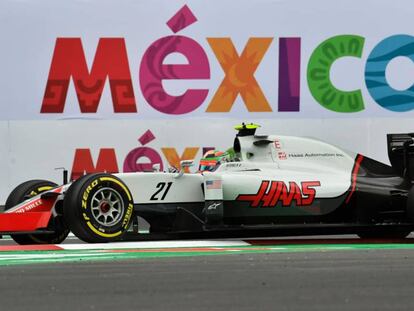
x,y
212,159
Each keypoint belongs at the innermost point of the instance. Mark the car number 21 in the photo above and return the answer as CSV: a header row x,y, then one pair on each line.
x,y
162,190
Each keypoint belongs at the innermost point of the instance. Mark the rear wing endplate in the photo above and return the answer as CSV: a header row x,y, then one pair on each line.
x,y
401,154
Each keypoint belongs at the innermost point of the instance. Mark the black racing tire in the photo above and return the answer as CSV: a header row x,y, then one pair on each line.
x,y
21,193
384,234
98,208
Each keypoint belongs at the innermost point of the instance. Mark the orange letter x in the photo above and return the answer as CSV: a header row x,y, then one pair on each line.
x,y
239,76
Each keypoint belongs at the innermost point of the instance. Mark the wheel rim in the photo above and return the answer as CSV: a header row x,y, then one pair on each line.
x,y
107,206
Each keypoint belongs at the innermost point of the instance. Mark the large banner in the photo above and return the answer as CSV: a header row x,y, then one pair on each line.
x,y
121,85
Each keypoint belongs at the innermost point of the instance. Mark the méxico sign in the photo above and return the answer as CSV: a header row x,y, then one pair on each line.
x,y
111,63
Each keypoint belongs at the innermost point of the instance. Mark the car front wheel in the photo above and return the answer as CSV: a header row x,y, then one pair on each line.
x,y
98,208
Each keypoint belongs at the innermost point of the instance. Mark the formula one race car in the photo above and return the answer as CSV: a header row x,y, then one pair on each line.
x,y
279,185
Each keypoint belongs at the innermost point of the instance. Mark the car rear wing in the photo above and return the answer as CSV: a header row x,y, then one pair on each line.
x,y
401,154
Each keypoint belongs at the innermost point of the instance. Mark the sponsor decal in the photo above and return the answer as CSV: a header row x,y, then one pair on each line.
x,y
315,155
273,193
278,145
128,215
111,63
29,206
282,155
233,165
85,195
213,206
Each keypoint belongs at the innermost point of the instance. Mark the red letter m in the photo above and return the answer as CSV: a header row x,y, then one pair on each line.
x,y
68,61
83,162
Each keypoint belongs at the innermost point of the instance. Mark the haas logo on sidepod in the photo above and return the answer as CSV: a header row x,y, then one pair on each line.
x,y
270,196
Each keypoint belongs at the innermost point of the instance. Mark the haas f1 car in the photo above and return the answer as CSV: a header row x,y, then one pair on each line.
x,y
279,185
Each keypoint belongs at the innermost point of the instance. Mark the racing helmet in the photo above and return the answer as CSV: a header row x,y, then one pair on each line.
x,y
212,159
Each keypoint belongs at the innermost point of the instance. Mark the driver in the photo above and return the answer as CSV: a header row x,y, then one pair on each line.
x,y
212,159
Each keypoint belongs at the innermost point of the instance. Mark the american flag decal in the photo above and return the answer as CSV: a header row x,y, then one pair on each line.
x,y
213,184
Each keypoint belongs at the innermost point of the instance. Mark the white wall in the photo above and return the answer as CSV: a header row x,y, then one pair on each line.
x,y
33,144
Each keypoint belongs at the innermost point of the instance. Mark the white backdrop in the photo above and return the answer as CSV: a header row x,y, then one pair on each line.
x,y
34,143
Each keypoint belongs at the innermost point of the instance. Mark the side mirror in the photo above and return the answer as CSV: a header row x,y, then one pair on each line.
x,y
184,164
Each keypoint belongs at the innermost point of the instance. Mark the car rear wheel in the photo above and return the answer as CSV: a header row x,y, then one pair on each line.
x,y
98,208
25,191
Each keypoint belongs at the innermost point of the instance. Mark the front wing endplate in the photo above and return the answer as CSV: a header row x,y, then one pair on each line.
x,y
15,222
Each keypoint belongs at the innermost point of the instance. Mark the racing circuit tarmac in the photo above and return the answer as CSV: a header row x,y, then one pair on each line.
x,y
339,273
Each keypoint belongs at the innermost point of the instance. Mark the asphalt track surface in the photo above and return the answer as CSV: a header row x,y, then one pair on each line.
x,y
305,277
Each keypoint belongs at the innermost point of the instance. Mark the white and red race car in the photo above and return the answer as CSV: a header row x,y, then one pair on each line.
x,y
279,185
